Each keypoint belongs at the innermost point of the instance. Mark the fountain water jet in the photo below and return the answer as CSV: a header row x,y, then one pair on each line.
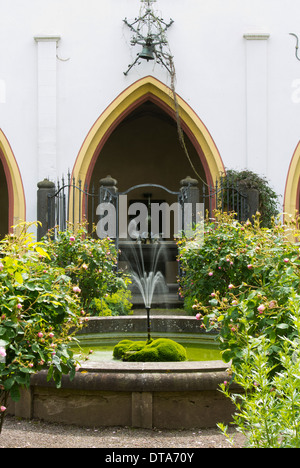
x,y
146,285
147,281
161,349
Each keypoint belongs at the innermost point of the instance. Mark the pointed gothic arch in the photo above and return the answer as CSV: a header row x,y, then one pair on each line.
x,y
15,189
292,188
148,88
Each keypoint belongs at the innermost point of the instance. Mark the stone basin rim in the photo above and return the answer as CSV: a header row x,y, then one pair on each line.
x,y
154,367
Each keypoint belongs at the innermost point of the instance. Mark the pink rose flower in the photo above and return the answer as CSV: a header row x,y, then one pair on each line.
x,y
261,308
40,335
2,351
2,409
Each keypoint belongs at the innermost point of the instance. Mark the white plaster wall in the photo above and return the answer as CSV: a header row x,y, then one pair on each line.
x,y
210,55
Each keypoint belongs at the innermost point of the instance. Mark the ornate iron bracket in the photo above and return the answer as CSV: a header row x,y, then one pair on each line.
x,y
297,45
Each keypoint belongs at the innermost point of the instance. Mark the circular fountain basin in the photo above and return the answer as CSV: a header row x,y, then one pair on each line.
x,y
114,393
102,350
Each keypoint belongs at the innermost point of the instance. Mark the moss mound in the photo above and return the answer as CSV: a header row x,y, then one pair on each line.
x,y
127,346
159,350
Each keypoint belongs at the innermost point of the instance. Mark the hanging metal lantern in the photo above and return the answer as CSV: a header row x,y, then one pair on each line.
x,y
149,32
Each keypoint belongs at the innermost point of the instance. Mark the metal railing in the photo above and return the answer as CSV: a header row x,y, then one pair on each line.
x,y
73,202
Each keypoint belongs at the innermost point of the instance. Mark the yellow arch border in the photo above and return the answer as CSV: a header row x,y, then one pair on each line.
x,y
16,195
143,89
291,195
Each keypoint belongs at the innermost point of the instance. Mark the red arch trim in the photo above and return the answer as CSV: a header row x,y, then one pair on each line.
x,y
10,191
147,97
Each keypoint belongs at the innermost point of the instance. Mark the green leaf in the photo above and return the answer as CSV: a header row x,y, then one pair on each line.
x,y
8,383
56,362
282,326
15,393
42,252
226,355
214,302
26,370
19,277
50,373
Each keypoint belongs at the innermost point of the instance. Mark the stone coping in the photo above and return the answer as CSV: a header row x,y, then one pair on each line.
x,y
154,367
142,377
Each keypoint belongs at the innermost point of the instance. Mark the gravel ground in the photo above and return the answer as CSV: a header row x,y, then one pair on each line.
x,y
37,434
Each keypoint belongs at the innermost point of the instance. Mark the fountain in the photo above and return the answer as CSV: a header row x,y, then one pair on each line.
x,y
146,285
173,395
161,349
146,282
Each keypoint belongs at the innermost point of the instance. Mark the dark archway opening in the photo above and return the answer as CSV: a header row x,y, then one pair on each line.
x,y
145,149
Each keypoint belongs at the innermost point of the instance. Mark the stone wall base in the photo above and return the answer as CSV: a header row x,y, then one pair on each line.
x,y
93,408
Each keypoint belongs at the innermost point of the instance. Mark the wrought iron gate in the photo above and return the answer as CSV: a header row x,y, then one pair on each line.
x,y
72,202
225,197
109,194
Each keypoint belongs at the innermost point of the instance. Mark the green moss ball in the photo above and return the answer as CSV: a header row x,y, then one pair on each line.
x,y
159,350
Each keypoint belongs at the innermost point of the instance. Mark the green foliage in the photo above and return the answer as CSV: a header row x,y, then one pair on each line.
x,y
115,304
159,350
268,408
241,279
90,263
268,199
38,308
244,280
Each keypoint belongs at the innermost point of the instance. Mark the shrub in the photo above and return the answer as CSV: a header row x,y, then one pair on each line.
x,y
268,408
222,258
90,263
242,275
268,199
244,280
38,308
114,304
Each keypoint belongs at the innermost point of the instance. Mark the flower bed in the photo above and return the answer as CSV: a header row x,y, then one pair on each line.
x,y
243,282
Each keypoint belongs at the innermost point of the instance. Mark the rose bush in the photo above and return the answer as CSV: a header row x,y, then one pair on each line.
x,y
253,273
90,263
38,309
244,284
268,409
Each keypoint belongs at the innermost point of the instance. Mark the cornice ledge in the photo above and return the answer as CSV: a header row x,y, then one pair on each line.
x,y
256,36
47,38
